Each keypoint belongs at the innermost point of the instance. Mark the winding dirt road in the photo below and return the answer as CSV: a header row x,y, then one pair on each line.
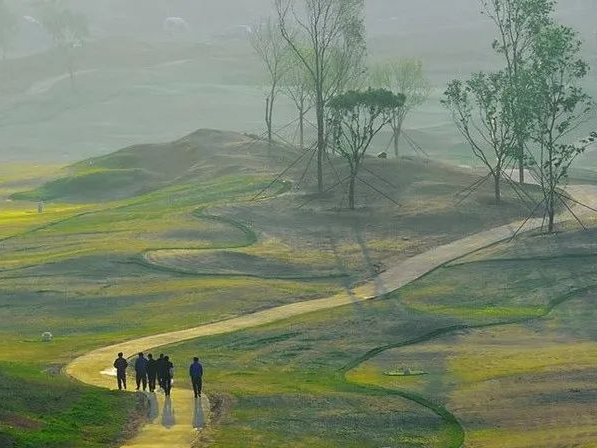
x,y
176,425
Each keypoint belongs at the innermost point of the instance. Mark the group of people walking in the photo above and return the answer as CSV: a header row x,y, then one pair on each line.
x,y
150,372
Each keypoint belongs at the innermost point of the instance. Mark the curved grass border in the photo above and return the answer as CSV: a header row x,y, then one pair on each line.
x,y
454,428
250,239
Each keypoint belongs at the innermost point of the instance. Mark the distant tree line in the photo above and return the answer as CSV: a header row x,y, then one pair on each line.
x,y
68,29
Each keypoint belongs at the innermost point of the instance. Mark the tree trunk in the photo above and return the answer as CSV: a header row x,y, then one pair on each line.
x,y
351,190
498,189
397,128
268,119
302,125
551,213
70,66
551,227
71,75
521,165
270,129
320,139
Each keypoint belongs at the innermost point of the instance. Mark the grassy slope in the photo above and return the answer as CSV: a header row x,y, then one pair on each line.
x,y
286,384
65,272
526,384
76,271
501,382
44,409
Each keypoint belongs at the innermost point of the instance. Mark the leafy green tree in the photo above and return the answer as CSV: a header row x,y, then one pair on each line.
x,y
8,27
560,107
68,29
518,22
482,113
328,39
356,117
406,76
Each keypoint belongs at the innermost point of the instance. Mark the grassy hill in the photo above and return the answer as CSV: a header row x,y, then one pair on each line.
x,y
205,154
163,237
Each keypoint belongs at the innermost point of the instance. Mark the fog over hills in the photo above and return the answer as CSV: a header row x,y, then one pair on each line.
x,y
137,83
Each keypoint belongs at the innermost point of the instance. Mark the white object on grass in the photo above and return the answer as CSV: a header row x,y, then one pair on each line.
x,y
46,337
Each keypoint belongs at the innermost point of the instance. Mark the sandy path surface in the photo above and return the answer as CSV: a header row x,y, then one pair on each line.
x,y
46,85
176,428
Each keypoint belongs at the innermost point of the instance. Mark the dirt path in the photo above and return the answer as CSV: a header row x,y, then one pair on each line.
x,y
41,87
174,428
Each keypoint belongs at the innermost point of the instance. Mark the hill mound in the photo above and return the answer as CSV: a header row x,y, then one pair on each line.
x,y
137,169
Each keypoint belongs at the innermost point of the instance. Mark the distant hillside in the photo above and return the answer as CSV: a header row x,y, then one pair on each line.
x,y
131,171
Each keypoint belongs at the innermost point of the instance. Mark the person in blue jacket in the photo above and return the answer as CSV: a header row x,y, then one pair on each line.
x,y
196,373
141,371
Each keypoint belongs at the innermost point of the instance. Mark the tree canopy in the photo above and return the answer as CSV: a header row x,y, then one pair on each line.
x,y
356,117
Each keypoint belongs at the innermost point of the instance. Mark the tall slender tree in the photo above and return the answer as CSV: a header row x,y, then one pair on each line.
x,y
518,22
406,76
298,87
268,43
560,107
481,111
328,39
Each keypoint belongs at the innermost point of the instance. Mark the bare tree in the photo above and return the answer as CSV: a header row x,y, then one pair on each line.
x,y
518,22
480,108
327,37
356,117
560,107
407,77
273,50
8,27
69,30
298,87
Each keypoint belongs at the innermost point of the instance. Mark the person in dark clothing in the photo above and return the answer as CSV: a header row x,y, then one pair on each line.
x,y
168,375
160,366
141,371
151,372
120,365
196,373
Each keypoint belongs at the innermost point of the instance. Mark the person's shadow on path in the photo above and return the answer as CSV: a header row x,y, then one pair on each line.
x,y
168,419
154,408
198,415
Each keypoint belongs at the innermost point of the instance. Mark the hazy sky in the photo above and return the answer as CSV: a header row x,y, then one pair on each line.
x,y
211,78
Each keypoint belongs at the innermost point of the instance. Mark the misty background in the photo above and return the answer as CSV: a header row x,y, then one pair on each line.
x,y
140,79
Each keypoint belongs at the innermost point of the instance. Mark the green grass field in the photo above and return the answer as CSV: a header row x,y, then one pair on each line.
x,y
44,409
77,270
97,272
165,236
502,362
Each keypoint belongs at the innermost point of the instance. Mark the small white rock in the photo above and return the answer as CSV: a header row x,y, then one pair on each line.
x,y
46,337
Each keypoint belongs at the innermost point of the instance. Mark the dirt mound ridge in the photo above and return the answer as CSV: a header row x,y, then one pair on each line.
x,y
204,154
